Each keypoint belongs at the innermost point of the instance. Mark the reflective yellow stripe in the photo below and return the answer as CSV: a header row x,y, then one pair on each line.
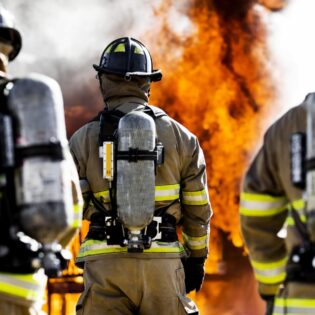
x,y
294,306
28,286
93,247
120,48
260,197
108,160
195,197
261,205
299,206
195,243
138,51
295,302
109,49
290,221
103,196
270,273
77,215
167,192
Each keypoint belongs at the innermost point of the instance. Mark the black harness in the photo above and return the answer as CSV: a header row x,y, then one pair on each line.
x,y
163,225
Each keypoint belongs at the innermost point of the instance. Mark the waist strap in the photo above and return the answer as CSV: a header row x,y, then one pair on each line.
x,y
161,229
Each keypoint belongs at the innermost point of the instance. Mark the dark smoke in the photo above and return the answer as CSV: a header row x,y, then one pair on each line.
x,y
62,39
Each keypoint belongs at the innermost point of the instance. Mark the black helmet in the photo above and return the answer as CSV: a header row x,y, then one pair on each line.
x,y
9,34
127,57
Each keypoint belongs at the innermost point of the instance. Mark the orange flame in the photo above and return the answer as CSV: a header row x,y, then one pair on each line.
x,y
219,87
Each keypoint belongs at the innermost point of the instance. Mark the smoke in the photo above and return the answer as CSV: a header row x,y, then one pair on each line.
x,y
74,31
62,39
293,50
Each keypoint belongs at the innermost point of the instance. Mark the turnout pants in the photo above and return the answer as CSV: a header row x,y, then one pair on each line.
x,y
295,298
9,306
128,286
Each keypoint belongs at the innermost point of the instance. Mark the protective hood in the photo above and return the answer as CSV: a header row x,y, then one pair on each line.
x,y
116,87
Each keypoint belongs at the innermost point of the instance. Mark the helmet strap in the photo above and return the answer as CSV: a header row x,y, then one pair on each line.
x,y
99,77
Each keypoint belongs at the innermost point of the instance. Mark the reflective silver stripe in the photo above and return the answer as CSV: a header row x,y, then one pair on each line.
x,y
195,243
270,273
30,287
77,215
261,205
199,197
93,247
162,193
167,192
294,306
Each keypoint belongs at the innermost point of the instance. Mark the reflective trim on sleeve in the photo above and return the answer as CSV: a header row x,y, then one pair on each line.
x,y
294,306
195,198
290,221
77,215
195,243
27,286
103,196
298,205
261,205
167,192
270,273
94,247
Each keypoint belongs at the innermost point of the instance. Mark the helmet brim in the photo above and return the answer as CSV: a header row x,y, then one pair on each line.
x,y
155,76
13,37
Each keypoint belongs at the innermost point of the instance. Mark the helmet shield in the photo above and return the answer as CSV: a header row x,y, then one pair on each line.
x,y
127,57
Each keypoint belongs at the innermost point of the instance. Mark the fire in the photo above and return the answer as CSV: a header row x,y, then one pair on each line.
x,y
218,83
220,88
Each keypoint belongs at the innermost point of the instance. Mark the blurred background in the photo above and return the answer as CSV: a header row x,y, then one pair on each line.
x,y
230,68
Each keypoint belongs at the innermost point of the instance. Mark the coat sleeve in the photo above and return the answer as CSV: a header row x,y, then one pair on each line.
x,y
78,152
263,211
195,201
77,201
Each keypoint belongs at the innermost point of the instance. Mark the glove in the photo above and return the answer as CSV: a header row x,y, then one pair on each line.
x,y
269,299
97,227
194,273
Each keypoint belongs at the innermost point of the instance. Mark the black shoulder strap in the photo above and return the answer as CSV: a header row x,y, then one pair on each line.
x,y
300,226
109,120
3,96
108,124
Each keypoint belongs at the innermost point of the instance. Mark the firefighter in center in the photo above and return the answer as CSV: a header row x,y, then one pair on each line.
x,y
142,175
275,220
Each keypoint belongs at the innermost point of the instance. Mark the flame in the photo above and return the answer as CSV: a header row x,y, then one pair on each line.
x,y
220,88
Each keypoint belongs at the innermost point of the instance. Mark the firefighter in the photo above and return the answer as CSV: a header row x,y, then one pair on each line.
x,y
22,293
268,204
119,278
